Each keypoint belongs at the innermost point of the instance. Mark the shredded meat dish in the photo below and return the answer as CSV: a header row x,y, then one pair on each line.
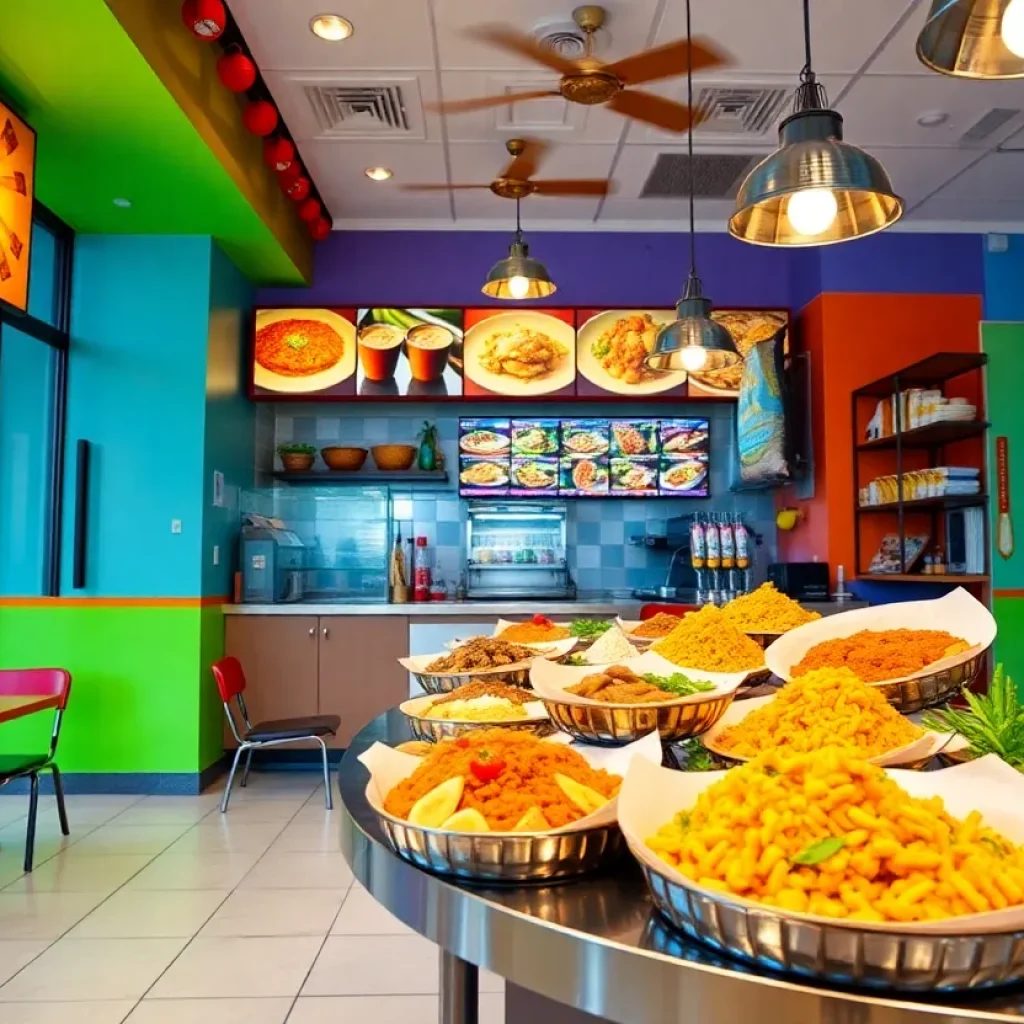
x,y
482,652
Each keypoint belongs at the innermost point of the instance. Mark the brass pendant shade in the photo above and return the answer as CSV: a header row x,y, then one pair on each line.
x,y
693,341
965,38
531,276
813,156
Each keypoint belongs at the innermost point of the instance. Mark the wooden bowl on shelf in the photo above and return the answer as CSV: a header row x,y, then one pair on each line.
x,y
393,457
345,459
296,462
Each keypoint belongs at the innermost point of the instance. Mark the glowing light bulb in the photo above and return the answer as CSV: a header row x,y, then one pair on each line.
x,y
812,211
693,358
1012,27
519,287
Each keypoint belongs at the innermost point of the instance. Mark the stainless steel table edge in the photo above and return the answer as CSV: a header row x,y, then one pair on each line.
x,y
612,978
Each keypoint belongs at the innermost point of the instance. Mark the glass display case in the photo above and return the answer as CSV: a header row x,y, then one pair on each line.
x,y
315,544
517,550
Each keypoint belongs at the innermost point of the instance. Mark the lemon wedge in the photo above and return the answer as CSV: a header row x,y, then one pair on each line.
x,y
586,799
468,820
438,805
532,821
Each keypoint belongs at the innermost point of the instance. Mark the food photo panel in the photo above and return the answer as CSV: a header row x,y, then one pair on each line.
x,y
534,470
684,446
748,327
485,457
584,462
414,353
611,346
304,353
633,463
521,353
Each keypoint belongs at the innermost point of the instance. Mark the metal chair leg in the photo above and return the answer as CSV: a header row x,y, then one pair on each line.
x,y
33,808
328,797
248,765
231,779
58,789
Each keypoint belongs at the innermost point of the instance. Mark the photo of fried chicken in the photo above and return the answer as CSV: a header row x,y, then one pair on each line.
x,y
522,353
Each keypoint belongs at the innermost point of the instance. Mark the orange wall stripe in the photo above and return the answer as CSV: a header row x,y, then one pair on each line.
x,y
113,602
1008,593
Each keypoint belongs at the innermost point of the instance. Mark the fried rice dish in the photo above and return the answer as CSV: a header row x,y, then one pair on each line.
x,y
481,702
501,781
298,348
481,652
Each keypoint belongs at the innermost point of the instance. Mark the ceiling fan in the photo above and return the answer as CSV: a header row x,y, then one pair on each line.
x,y
516,180
590,81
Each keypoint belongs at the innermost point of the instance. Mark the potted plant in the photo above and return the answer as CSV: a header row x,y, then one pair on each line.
x,y
297,458
429,452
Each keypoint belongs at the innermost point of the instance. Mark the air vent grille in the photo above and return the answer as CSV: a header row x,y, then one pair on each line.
x,y
740,109
350,109
716,175
988,123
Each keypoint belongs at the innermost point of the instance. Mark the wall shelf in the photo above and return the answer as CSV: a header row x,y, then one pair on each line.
x,y
329,478
926,504
929,436
930,372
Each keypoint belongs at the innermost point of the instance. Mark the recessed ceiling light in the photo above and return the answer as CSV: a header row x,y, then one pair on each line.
x,y
332,27
931,118
121,203
378,173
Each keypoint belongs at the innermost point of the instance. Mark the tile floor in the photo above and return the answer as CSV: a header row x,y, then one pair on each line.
x,y
159,910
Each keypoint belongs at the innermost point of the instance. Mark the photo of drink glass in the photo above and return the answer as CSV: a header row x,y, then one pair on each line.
x,y
379,346
427,347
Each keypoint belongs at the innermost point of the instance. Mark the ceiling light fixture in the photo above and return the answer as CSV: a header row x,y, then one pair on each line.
x,y
932,118
693,341
331,27
518,275
814,189
122,204
974,38
378,173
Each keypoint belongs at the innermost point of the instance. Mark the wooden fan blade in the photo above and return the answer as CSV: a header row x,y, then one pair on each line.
x,y
483,102
572,187
439,188
666,62
525,165
526,46
652,109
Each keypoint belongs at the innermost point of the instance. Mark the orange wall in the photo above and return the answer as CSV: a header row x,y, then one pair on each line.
x,y
854,339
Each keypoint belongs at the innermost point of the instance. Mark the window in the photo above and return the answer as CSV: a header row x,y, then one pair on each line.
x,y
33,353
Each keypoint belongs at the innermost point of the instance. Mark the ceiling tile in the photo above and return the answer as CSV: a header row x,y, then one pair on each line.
x,y
916,173
1008,216
709,213
997,176
279,36
899,57
768,35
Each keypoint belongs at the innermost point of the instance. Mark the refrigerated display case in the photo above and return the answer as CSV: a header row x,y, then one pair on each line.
x,y
517,550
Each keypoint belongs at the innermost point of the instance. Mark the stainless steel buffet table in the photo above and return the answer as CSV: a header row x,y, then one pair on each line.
x,y
596,944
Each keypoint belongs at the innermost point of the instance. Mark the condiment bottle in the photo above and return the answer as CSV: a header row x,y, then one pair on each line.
x,y
742,544
698,547
728,543
421,571
714,543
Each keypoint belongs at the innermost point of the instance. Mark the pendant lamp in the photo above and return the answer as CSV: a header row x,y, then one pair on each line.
x,y
693,341
518,275
974,38
814,189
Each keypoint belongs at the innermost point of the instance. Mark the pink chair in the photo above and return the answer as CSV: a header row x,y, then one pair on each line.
x,y
36,682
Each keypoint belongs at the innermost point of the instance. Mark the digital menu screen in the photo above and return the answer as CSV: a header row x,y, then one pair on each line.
x,y
584,458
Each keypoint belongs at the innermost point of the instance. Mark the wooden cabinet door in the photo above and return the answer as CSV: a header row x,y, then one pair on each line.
x,y
279,657
360,677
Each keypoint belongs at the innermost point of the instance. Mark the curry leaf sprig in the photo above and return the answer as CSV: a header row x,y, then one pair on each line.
x,y
992,723
678,683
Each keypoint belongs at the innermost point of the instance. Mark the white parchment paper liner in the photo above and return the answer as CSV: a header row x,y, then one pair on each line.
x,y
651,796
388,767
957,613
417,707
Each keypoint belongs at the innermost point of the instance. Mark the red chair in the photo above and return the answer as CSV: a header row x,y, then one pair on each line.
x,y
231,684
648,611
36,682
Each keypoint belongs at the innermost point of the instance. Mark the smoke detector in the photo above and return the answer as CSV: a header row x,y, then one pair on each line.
x,y
564,37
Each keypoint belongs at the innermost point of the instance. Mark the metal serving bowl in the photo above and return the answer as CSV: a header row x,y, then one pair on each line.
x,y
614,725
480,857
847,956
445,682
926,691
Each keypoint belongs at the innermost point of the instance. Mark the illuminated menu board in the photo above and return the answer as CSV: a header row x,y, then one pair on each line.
x,y
17,183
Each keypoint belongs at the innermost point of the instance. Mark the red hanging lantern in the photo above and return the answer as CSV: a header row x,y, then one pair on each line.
x,y
236,71
299,188
205,19
260,117
309,210
279,154
320,228
289,176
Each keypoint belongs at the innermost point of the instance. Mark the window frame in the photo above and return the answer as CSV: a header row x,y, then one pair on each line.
x,y
58,338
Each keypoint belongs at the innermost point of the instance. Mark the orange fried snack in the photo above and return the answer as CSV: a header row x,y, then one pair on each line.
x,y
876,656
523,769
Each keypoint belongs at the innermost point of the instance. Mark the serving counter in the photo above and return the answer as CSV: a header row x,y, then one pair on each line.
x,y
597,946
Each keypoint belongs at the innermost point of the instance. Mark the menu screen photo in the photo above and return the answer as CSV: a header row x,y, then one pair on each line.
x,y
584,458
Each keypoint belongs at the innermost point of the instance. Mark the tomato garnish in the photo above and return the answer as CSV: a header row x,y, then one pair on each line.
x,y
486,767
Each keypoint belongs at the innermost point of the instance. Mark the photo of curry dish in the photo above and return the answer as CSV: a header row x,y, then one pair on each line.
x,y
623,348
298,348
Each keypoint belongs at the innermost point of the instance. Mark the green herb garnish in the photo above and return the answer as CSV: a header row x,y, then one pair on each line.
x,y
683,820
679,684
992,723
819,852
696,757
577,660
587,628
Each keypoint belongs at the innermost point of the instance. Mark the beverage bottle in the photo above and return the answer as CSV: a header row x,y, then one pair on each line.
x,y
421,570
742,544
728,543
714,543
698,547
